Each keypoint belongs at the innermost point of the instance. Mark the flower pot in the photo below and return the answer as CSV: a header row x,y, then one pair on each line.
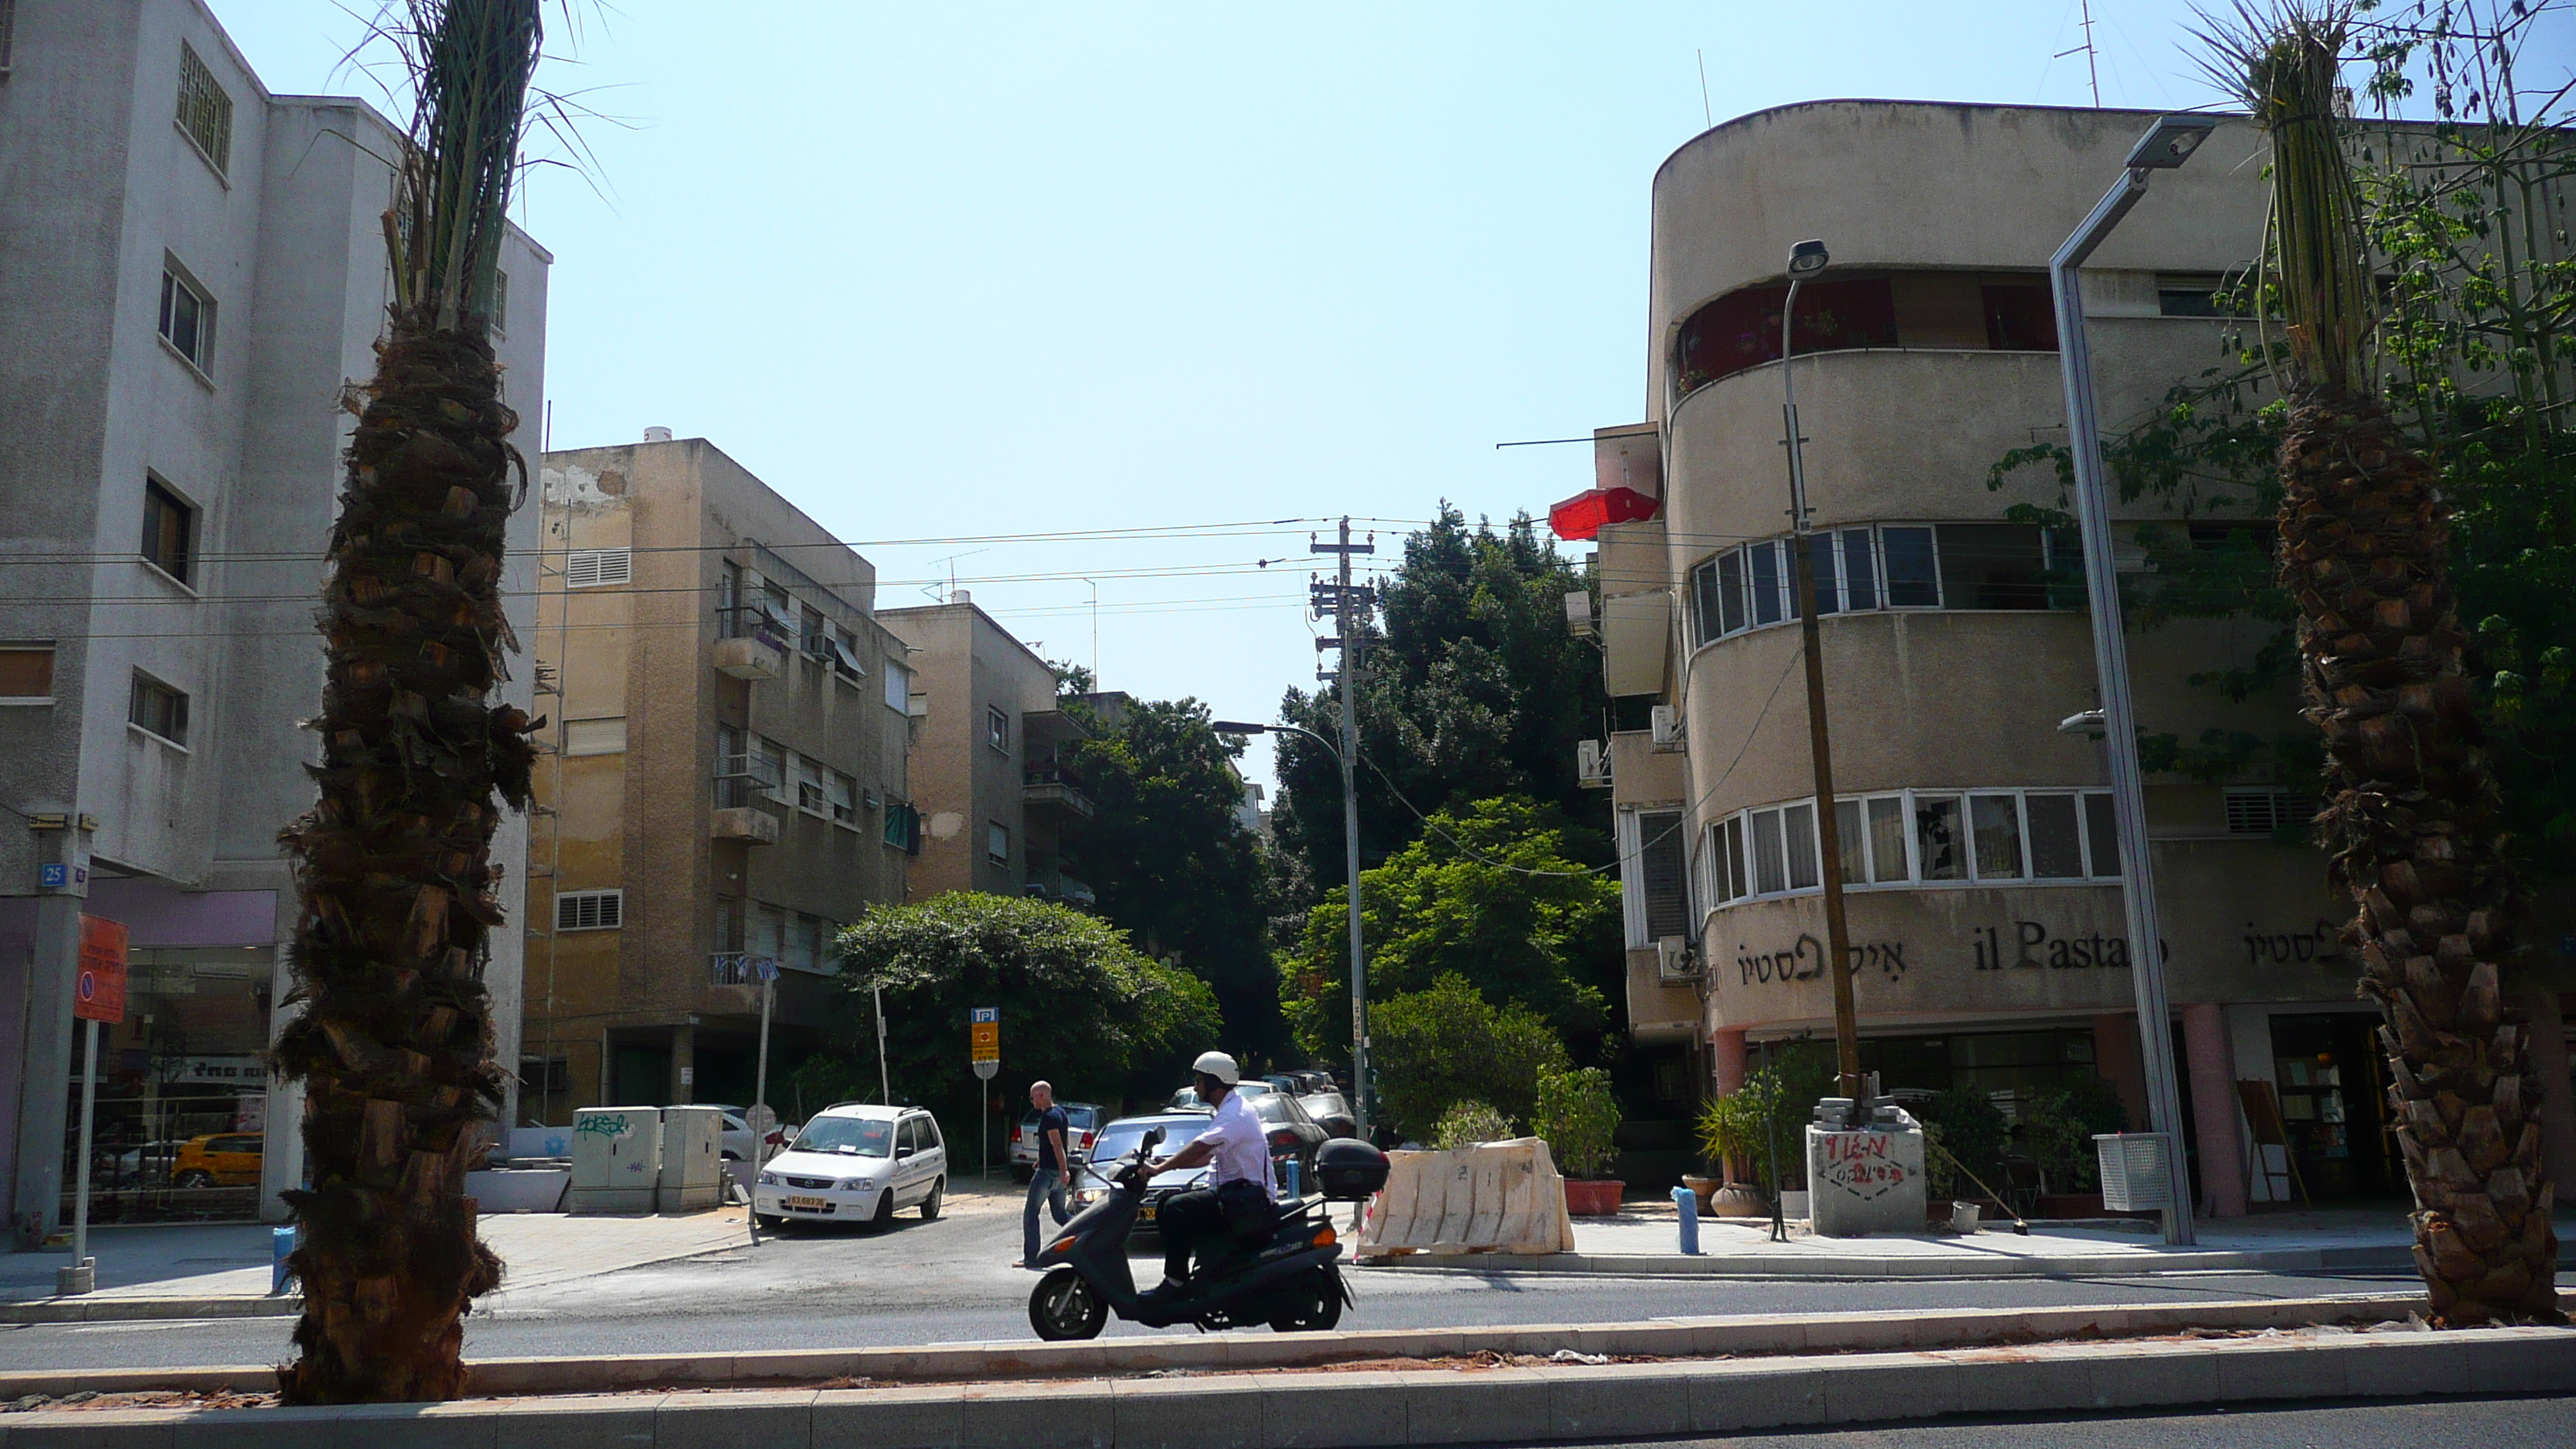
x,y
1703,1188
1736,1200
1593,1199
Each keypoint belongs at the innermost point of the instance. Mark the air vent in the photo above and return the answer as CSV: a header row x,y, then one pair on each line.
x,y
590,910
588,568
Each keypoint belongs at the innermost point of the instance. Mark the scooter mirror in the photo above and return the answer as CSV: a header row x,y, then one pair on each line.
x,y
1153,1139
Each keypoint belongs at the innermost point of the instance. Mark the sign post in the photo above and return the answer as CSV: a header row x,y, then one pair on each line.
x,y
98,994
984,1051
765,968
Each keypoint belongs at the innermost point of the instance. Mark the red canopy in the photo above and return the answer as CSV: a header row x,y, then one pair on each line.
x,y
1581,516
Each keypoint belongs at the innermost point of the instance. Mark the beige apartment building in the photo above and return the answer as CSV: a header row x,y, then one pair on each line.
x,y
732,725
1981,879
997,809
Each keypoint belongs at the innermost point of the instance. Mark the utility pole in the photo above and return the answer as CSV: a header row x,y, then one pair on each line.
x,y
1350,619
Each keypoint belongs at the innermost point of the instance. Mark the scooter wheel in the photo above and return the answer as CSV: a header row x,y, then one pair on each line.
x,y
1064,1306
1312,1304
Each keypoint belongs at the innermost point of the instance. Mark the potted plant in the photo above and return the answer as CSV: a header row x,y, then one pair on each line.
x,y
1579,1118
1735,1136
2057,1131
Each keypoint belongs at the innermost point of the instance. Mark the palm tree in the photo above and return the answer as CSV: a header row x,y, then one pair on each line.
x,y
2412,818
393,864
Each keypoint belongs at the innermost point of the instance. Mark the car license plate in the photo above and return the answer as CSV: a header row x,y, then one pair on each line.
x,y
1145,1214
807,1204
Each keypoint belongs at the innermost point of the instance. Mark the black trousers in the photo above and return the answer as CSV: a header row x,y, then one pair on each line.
x,y
1202,1219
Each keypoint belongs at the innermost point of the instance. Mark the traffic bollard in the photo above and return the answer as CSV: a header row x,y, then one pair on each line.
x,y
1686,1213
281,1241
1293,1193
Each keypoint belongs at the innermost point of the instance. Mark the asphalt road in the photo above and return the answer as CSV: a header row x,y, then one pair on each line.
x,y
951,1281
2528,1423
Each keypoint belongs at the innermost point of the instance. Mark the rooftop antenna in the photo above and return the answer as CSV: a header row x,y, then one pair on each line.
x,y
933,589
2092,70
1706,116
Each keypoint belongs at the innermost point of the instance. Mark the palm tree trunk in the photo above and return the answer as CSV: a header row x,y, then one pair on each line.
x,y
395,1045
2413,821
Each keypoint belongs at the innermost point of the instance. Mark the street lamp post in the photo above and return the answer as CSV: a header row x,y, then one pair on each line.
x,y
2166,145
1351,847
1805,260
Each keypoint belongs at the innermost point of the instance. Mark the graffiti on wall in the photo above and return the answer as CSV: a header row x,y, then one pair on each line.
x,y
1862,1164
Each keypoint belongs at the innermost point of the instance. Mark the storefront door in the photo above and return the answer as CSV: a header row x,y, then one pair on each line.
x,y
2332,1085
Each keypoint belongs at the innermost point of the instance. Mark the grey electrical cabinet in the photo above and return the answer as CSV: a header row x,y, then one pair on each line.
x,y
692,1159
616,1159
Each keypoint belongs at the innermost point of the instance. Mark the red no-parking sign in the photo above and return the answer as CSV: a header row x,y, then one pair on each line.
x,y
98,993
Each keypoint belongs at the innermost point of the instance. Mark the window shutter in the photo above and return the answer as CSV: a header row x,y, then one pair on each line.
x,y
586,568
590,910
1660,867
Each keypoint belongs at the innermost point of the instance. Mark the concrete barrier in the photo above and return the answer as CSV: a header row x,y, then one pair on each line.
x,y
1498,1197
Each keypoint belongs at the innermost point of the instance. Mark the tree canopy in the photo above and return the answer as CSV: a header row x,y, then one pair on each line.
x,y
1491,893
1446,1044
1079,1005
1169,860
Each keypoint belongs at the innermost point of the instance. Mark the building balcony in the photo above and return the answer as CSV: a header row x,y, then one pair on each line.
x,y
1050,885
746,823
744,807
1052,787
749,658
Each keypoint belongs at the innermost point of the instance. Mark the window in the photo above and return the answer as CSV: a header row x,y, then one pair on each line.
x,y
590,910
1937,847
1993,566
728,923
1728,876
1770,603
2020,317
2056,841
1742,329
773,770
845,656
768,932
730,624
188,319
1889,566
804,943
813,640
903,827
997,729
499,312
1996,823
1662,899
2263,812
205,112
997,842
26,673
2101,836
1798,823
810,792
169,530
1982,836
844,792
898,688
595,736
158,709
588,568
1912,580
1770,858
2199,294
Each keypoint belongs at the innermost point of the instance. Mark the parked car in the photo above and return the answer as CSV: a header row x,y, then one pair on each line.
x,y
855,1162
1187,1098
1293,1136
1120,1138
145,1164
738,1137
1085,1119
221,1159
1322,1098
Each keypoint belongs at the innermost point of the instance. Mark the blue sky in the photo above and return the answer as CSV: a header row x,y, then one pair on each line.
x,y
941,272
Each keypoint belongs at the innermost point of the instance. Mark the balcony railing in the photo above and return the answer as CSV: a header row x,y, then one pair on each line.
x,y
741,968
1053,784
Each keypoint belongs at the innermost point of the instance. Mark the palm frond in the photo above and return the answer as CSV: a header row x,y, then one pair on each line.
x,y
471,63
2284,59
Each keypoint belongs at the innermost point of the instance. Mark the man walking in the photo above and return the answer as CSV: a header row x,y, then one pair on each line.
x,y
1054,1173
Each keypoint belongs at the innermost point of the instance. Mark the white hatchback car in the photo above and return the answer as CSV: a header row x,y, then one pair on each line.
x,y
855,1163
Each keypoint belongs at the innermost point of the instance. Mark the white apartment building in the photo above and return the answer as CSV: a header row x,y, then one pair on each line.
x,y
1981,880
191,268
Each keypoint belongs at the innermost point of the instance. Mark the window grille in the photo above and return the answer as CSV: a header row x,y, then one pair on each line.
x,y
588,568
2261,812
590,910
205,112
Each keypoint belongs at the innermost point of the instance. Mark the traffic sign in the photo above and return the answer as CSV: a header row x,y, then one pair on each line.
x,y
98,992
984,1035
988,1070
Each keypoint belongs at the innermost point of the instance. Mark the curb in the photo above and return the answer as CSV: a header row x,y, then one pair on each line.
x,y
1441,1406
116,1310
1736,1334
1918,1268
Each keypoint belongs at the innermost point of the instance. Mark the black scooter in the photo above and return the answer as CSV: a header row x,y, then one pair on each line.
x,y
1285,1277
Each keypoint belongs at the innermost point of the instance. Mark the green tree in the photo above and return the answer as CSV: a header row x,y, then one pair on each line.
x,y
1435,1048
1473,688
1171,864
393,864
1491,893
1079,1005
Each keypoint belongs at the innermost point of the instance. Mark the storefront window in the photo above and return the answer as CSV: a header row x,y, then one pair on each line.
x,y
182,1089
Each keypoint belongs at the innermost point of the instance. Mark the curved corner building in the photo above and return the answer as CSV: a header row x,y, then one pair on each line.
x,y
1981,880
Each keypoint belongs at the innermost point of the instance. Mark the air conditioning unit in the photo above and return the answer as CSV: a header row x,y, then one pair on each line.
x,y
1666,722
1578,614
1591,765
1675,960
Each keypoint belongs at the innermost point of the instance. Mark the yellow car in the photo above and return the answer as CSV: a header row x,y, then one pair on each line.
x,y
227,1159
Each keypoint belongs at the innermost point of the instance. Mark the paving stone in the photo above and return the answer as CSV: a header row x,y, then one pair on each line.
x,y
118,1429
622,1421
1757,1395
1619,1401
1333,1411
1878,1388
1476,1407
926,1417
467,1425
2147,1376
1078,1415
1217,1412
770,1418
2520,1360
313,1428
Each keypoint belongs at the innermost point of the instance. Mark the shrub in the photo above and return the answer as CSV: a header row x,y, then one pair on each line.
x,y
1433,1049
1579,1118
1469,1123
1971,1131
1735,1130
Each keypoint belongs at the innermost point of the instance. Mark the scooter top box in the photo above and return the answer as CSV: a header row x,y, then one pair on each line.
x,y
1349,1170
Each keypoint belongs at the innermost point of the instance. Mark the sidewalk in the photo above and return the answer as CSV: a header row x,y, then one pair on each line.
x,y
1642,1241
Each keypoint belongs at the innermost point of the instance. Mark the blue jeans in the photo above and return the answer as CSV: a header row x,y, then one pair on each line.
x,y
1047,1183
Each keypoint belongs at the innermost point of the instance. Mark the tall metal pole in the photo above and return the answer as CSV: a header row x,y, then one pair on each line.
x,y
1820,749
2119,710
885,1082
89,1119
1350,687
760,1073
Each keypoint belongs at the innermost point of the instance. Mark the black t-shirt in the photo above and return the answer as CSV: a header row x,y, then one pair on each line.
x,y
1053,1119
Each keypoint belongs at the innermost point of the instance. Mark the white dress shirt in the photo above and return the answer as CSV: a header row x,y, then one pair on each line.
x,y
1242,1145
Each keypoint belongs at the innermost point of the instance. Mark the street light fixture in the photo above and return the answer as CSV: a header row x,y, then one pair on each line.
x,y
1805,260
1351,850
2166,145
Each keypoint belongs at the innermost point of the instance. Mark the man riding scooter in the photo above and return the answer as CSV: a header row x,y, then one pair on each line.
x,y
1238,1190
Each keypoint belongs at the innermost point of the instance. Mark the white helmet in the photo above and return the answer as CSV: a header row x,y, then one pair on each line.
x,y
1219,1066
